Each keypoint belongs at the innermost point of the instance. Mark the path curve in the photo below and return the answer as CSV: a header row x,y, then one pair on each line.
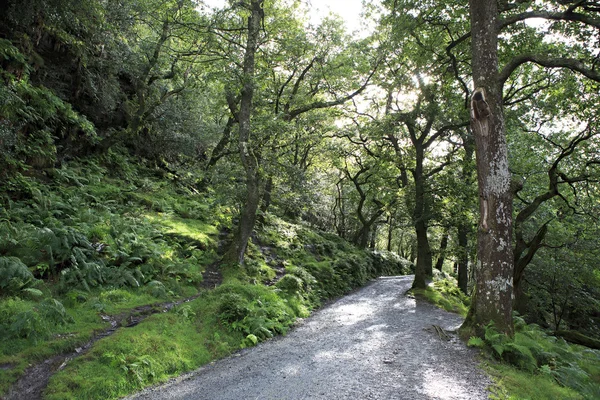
x,y
373,344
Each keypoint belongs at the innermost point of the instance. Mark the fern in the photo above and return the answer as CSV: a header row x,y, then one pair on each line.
x,y
27,324
520,356
571,375
475,341
54,312
14,275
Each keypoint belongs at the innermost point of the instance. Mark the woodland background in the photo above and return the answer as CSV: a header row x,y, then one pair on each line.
x,y
153,149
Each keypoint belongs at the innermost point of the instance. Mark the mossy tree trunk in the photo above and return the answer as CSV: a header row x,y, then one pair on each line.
x,y
247,155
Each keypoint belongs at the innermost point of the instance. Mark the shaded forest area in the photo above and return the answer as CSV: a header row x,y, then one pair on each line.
x,y
150,150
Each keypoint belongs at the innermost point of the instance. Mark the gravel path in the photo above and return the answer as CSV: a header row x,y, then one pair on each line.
x,y
373,344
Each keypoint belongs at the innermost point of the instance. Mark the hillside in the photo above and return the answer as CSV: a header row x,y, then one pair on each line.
x,y
114,250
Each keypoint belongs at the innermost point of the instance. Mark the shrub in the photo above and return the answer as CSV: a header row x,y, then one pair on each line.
x,y
291,284
253,310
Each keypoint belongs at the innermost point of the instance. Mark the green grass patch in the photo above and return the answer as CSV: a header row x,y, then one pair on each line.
x,y
201,232
511,383
445,294
166,345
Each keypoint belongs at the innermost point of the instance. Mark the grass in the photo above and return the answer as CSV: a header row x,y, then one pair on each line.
x,y
535,365
445,294
162,346
237,314
510,383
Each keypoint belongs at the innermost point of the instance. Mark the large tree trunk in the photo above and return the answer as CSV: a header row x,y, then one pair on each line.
x,y
247,156
424,267
493,298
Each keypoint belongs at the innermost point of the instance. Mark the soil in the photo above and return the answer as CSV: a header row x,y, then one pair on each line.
x,y
376,343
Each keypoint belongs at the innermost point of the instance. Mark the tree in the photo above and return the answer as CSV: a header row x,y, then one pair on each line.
x,y
299,73
247,156
493,297
495,257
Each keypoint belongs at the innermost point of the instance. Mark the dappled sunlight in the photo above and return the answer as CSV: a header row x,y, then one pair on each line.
x,y
291,370
407,305
367,342
192,229
333,355
372,341
349,314
443,386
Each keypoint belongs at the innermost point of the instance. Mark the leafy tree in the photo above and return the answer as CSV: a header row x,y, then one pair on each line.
x,y
488,19
298,73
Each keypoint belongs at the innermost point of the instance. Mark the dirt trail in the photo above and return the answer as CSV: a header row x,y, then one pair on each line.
x,y
373,344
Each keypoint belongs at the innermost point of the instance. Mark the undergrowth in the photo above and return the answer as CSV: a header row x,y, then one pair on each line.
x,y
558,369
105,236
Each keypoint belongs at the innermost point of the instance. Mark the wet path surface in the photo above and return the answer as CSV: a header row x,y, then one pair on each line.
x,y
373,344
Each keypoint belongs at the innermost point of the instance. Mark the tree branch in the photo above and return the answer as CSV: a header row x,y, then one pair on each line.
x,y
547,62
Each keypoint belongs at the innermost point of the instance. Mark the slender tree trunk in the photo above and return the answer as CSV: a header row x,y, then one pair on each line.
x,y
424,267
493,298
247,156
340,226
390,235
219,149
442,256
267,196
464,227
373,237
463,258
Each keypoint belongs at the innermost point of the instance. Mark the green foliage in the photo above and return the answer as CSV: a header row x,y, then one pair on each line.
x,y
390,263
291,284
14,275
33,116
534,352
254,310
475,341
30,320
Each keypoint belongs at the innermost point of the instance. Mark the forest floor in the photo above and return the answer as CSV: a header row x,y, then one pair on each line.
x,y
376,343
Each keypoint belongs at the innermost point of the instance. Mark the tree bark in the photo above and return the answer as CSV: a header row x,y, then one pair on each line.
x,y
464,227
424,267
494,269
442,254
463,258
390,235
249,160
